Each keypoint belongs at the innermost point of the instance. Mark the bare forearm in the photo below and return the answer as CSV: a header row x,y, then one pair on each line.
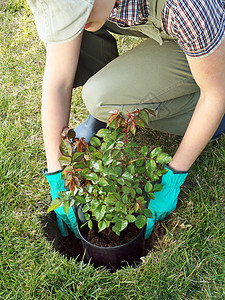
x,y
61,64
55,116
205,120
208,73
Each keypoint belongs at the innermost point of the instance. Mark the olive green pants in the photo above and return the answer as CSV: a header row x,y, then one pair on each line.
x,y
148,76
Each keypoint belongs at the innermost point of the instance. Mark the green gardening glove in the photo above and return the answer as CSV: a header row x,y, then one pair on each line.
x,y
58,185
166,200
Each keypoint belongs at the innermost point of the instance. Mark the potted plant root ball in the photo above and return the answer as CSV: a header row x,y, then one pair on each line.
x,y
111,181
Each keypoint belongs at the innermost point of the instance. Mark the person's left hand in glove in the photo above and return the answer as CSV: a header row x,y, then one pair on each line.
x,y
58,185
166,200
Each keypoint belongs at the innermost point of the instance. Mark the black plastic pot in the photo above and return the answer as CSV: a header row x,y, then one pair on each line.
x,y
115,257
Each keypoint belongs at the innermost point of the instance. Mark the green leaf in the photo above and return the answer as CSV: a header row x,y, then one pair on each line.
x,y
107,159
116,154
126,190
121,225
132,145
116,230
128,183
109,172
94,141
97,166
141,170
151,196
109,188
103,225
97,155
135,183
132,192
154,177
64,160
110,144
161,172
150,165
124,199
66,207
115,219
66,148
144,151
85,171
77,156
133,129
108,217
91,176
55,204
118,206
129,152
64,195
148,187
99,212
90,224
157,187
128,176
130,218
155,152
140,122
140,162
163,158
140,198
143,114
121,181
102,182
110,199
87,216
140,221
92,149
79,165
139,191
118,171
147,212
121,136
85,208
103,132
80,199
131,169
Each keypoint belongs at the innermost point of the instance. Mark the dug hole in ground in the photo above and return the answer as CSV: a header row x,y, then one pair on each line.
x,y
71,247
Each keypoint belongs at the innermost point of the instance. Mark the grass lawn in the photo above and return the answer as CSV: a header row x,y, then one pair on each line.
x,y
188,262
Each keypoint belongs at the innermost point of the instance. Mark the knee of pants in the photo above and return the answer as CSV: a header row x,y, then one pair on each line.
x,y
95,96
91,95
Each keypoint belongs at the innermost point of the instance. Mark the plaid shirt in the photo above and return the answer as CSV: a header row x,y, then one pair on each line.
x,y
130,12
198,25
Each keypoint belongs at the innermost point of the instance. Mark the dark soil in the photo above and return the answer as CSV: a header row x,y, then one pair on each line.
x,y
107,237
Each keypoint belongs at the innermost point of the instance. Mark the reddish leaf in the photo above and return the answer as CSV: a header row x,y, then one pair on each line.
x,y
111,119
72,185
77,142
77,181
84,143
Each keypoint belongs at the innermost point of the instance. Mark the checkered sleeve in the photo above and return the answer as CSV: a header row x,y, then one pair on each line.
x,y
198,26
